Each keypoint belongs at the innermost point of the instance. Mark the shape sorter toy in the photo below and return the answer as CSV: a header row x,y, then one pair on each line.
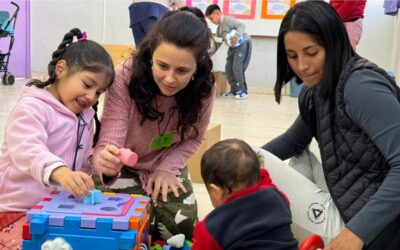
x,y
119,222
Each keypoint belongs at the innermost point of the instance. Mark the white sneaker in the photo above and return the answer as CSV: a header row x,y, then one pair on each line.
x,y
241,95
227,94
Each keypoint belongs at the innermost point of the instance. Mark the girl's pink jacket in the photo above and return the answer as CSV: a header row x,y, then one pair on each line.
x,y
39,131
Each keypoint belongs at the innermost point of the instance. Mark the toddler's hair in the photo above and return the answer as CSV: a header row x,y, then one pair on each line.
x,y
82,55
230,163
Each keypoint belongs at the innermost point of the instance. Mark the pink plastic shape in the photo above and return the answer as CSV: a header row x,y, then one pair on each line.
x,y
128,157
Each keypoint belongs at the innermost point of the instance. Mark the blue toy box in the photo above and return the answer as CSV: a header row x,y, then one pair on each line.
x,y
119,222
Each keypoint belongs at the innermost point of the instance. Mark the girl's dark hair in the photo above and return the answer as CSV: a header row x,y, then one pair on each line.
x,y
84,55
319,20
183,30
230,163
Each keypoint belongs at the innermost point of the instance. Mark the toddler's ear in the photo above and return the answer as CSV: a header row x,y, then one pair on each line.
x,y
216,189
61,68
217,194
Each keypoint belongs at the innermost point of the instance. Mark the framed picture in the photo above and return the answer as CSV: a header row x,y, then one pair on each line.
x,y
275,9
242,9
201,4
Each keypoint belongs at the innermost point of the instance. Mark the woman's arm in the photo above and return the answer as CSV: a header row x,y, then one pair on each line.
x,y
114,121
292,142
372,103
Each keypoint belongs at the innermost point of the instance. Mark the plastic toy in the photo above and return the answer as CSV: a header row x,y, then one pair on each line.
x,y
176,242
56,244
128,157
120,222
230,35
313,242
93,198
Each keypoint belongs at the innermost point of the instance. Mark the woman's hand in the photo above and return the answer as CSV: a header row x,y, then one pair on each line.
x,y
107,161
346,240
161,181
76,182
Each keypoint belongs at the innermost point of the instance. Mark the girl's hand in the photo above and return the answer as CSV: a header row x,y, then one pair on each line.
x,y
161,181
107,161
346,240
77,183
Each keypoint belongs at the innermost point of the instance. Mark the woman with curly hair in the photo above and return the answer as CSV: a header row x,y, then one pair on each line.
x,y
159,106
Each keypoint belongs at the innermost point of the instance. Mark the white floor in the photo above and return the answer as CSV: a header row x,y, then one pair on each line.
x,y
256,120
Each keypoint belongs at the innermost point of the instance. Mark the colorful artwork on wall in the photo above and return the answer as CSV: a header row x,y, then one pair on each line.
x,y
242,9
275,9
201,4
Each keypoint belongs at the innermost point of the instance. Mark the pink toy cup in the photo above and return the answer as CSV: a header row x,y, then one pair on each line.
x,y
127,157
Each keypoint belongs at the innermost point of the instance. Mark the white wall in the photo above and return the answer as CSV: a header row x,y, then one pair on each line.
x,y
107,21
377,39
116,28
50,20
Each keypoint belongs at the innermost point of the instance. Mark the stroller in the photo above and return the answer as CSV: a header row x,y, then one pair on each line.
x,y
7,26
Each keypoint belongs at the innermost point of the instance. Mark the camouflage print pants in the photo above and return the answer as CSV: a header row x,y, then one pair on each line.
x,y
176,216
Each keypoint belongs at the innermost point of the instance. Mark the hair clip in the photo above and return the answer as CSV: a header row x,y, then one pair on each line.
x,y
83,38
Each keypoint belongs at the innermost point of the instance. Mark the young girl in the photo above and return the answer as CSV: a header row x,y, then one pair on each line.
x,y
159,106
49,133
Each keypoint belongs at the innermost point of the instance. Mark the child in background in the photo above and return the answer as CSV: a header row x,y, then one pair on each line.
x,y
250,212
199,13
49,133
352,15
239,51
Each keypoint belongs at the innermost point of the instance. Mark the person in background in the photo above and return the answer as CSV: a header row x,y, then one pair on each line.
x,y
350,106
49,132
250,212
144,14
197,12
159,107
234,34
352,14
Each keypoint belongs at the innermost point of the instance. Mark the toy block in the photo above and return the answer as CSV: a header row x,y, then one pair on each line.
x,y
106,225
127,157
25,231
93,198
38,225
125,241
